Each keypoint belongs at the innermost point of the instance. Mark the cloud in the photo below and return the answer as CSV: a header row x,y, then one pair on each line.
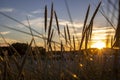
x,y
38,11
6,9
40,22
28,14
75,24
8,40
103,30
5,32
37,22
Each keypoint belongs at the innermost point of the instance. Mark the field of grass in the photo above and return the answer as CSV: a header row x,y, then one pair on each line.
x,y
73,64
71,67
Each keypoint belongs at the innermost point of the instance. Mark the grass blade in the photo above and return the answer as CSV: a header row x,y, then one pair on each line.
x,y
108,20
90,27
74,43
68,32
44,38
51,36
117,33
65,34
50,24
94,14
24,60
19,22
84,27
57,23
45,16
5,71
85,21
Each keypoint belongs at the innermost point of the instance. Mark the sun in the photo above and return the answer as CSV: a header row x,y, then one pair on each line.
x,y
98,45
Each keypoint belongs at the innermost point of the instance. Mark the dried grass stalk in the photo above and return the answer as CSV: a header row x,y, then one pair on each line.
x,y
68,32
5,71
65,35
111,42
29,26
51,36
16,62
84,27
90,26
86,18
57,23
94,14
50,25
61,47
88,29
74,43
108,20
54,47
117,32
19,22
50,39
87,38
45,16
24,60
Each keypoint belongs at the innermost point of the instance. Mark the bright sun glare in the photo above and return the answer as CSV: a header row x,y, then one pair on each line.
x,y
98,45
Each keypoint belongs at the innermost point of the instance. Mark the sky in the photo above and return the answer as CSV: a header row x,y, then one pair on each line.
x,y
34,10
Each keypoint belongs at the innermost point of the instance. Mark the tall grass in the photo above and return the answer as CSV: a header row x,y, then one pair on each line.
x,y
57,23
87,31
65,33
50,24
45,16
62,64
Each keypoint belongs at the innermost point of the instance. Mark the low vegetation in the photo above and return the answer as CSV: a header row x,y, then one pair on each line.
x,y
28,63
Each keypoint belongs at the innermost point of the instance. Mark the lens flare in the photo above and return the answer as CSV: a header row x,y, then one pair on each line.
x,y
98,45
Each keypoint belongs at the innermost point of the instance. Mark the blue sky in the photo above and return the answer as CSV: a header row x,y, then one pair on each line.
x,y
19,9
24,7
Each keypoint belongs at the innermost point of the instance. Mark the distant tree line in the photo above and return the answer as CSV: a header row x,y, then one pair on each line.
x,y
21,49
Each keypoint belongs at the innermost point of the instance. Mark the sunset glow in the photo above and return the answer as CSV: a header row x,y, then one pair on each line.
x,y
98,45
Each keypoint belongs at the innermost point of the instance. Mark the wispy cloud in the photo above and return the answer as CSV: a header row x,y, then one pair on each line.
x,y
5,32
39,22
76,24
6,9
28,14
38,11
103,30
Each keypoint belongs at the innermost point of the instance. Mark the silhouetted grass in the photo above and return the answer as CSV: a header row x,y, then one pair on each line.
x,y
84,64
